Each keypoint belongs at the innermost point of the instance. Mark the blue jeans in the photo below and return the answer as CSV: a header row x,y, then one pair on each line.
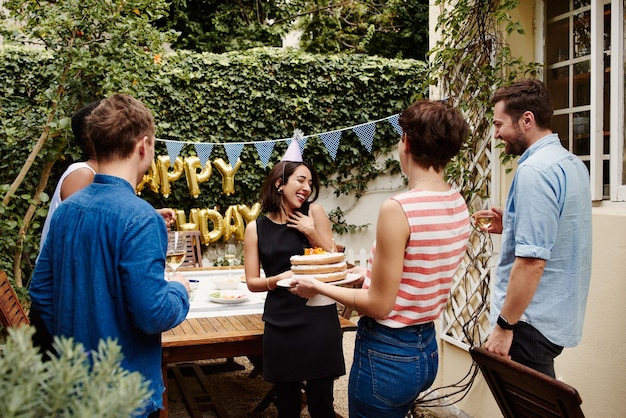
x,y
390,368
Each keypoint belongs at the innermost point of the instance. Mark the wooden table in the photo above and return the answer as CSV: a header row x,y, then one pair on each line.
x,y
216,337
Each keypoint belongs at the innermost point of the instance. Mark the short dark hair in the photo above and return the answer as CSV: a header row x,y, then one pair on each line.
x,y
116,124
435,131
79,128
526,95
271,199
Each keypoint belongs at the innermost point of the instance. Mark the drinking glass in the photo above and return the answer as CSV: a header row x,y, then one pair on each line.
x,y
483,221
230,252
176,249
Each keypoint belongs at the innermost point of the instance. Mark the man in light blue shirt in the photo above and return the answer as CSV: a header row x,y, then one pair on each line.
x,y
101,270
542,279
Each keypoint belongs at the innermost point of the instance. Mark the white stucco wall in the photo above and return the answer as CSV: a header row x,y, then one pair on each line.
x,y
362,211
596,366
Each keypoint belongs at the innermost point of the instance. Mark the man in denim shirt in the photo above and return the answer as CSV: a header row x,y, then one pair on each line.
x,y
543,275
101,271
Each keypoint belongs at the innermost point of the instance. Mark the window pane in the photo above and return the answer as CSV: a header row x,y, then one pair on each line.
x,y
578,3
582,34
555,8
557,81
605,174
607,27
560,125
557,50
581,133
582,83
606,97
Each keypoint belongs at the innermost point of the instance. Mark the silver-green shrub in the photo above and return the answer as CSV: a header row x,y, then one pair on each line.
x,y
69,385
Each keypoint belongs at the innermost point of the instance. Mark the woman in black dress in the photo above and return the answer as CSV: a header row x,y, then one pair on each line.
x,y
300,343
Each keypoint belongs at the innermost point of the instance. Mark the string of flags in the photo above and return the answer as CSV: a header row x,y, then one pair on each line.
x,y
365,132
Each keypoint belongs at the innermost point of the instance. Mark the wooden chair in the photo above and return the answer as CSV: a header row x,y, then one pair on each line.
x,y
194,251
11,312
522,392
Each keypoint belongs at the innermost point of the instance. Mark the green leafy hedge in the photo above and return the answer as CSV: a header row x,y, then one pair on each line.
x,y
257,95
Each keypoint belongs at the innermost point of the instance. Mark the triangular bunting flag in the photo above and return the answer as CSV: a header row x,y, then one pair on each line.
x,y
173,149
233,151
365,133
393,120
331,142
264,149
204,151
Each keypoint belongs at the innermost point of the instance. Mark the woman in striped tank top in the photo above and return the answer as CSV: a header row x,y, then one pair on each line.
x,y
421,237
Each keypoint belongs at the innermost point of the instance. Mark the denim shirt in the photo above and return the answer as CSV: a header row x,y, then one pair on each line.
x,y
548,216
101,275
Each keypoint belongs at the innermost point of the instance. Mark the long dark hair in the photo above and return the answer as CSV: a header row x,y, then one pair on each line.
x,y
80,130
271,198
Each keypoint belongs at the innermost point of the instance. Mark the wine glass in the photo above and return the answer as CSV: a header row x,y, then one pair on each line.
x,y
483,218
176,249
484,221
230,252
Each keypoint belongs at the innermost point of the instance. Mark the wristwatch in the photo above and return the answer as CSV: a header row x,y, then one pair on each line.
x,y
504,324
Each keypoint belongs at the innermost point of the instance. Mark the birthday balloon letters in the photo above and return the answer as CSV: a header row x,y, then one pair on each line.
x,y
211,224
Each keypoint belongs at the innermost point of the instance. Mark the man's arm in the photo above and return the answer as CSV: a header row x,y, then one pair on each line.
x,y
40,289
155,305
525,276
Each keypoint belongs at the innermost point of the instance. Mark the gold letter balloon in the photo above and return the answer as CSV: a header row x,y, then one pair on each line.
x,y
166,176
233,222
151,179
250,214
228,175
160,177
192,164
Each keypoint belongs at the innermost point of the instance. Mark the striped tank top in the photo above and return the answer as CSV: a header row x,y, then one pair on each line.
x,y
440,228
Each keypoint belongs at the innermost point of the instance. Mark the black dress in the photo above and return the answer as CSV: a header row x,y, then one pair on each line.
x,y
300,342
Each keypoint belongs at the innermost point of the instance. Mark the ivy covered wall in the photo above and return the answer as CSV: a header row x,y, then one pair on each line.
x,y
257,95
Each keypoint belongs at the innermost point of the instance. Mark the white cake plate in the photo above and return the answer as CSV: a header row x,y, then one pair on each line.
x,y
321,300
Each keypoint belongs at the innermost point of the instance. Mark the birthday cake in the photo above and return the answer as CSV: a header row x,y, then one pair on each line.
x,y
321,265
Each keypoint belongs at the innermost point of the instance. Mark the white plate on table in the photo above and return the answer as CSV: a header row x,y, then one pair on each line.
x,y
228,297
351,277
